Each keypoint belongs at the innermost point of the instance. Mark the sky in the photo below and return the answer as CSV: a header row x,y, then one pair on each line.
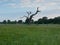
x,y
15,9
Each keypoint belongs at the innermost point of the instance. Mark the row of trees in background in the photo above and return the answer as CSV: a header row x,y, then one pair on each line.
x,y
11,22
43,20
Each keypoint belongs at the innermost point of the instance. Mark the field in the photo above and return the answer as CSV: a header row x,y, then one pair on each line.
x,y
19,34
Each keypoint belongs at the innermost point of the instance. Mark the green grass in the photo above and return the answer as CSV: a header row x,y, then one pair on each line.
x,y
29,34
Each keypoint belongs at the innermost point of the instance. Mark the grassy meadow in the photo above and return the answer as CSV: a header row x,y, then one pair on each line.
x,y
19,34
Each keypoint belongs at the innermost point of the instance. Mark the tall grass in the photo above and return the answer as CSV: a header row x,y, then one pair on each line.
x,y
29,34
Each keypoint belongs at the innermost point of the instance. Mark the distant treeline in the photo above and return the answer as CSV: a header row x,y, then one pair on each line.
x,y
43,20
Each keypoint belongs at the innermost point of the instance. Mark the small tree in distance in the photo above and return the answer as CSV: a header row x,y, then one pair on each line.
x,y
4,22
20,21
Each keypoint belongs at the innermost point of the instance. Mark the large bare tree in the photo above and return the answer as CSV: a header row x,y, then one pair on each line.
x,y
30,16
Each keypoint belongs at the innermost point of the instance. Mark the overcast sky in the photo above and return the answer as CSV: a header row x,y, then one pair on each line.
x,y
14,9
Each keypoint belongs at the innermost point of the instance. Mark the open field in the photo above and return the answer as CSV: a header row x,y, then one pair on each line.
x,y
29,34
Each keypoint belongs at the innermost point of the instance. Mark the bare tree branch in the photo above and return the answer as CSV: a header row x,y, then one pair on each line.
x,y
34,13
30,16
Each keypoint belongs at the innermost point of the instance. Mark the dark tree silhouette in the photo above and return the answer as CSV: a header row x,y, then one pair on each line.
x,y
20,21
56,20
45,20
4,22
50,21
29,19
8,21
39,21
